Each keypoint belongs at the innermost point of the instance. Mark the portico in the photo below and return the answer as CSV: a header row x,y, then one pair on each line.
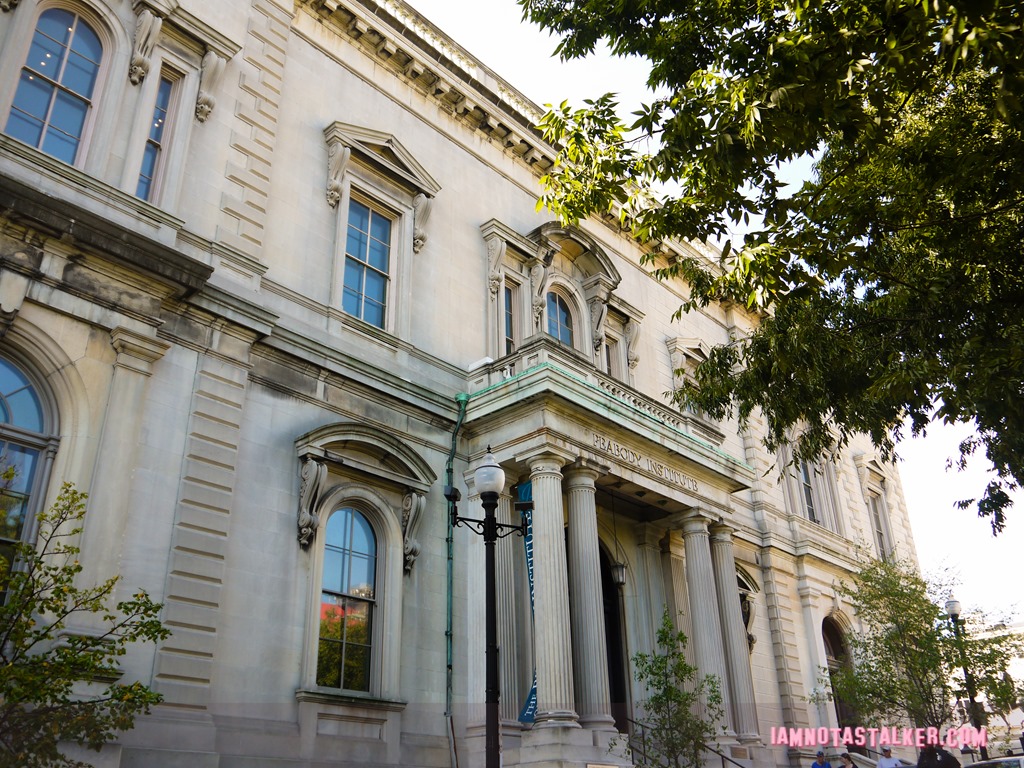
x,y
609,481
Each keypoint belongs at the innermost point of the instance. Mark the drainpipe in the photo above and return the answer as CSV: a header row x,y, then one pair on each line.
x,y
461,398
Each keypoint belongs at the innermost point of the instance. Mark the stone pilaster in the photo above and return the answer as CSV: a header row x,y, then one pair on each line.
x,y
589,646
552,637
734,635
108,493
707,627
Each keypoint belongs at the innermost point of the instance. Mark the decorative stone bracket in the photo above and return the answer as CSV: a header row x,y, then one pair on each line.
x,y
211,72
147,29
313,475
412,511
421,212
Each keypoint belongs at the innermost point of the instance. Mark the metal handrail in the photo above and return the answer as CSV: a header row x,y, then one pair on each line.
x,y
643,728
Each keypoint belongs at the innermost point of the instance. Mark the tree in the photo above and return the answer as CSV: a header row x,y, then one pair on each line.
x,y
682,710
907,664
52,678
888,285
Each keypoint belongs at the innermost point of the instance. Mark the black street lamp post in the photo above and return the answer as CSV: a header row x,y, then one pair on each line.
x,y
489,480
953,611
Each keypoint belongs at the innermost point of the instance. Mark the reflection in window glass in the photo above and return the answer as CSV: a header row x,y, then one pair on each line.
x,y
154,144
559,319
347,601
367,258
56,85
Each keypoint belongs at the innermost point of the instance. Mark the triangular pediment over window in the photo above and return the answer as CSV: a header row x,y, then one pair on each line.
x,y
384,153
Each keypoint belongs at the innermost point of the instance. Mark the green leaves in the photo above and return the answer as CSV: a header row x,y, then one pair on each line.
x,y
682,710
45,666
890,283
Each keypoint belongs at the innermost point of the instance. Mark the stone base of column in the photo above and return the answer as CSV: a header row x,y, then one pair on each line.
x,y
569,748
557,718
598,723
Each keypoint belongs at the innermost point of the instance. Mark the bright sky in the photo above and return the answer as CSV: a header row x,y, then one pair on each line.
x,y
947,538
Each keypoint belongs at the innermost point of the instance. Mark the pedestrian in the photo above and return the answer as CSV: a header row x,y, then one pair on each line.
x,y
847,760
887,760
820,761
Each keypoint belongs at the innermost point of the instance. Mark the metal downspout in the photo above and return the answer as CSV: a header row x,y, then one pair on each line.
x,y
462,399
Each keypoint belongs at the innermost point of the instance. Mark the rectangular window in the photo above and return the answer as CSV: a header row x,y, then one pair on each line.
x,y
509,319
612,360
877,508
807,491
154,142
367,261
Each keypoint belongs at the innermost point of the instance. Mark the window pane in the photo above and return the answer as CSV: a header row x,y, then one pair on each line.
x,y
375,287
56,23
355,245
45,56
332,617
24,128
363,540
361,577
24,462
12,515
381,229
354,276
61,146
333,563
68,115
373,313
86,44
378,257
21,406
357,668
359,216
328,664
80,75
33,96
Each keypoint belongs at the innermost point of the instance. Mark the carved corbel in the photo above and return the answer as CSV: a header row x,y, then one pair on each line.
x,y
632,337
421,205
209,77
6,320
538,275
313,476
412,509
8,5
496,247
337,161
598,313
147,28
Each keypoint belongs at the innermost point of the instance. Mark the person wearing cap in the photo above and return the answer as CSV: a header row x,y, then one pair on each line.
x,y
887,760
820,761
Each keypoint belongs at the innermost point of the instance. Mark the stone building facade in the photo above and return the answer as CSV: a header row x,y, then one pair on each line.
x,y
271,277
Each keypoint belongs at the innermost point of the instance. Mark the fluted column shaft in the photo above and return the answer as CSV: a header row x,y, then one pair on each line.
x,y
505,559
734,634
707,628
586,605
552,636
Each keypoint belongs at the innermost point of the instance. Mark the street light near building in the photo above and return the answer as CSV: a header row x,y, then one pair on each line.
x,y
489,481
953,612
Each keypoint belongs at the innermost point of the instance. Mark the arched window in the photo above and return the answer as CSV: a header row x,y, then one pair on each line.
x,y
56,86
22,440
559,319
347,601
836,658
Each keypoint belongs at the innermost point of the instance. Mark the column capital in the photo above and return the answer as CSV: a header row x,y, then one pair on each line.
x,y
546,460
136,351
692,522
583,472
721,533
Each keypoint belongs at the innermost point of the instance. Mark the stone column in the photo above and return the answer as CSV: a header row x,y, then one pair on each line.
x,y
552,636
117,450
505,561
589,647
676,597
707,627
734,634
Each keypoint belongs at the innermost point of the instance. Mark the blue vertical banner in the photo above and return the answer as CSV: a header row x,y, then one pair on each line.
x,y
525,493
